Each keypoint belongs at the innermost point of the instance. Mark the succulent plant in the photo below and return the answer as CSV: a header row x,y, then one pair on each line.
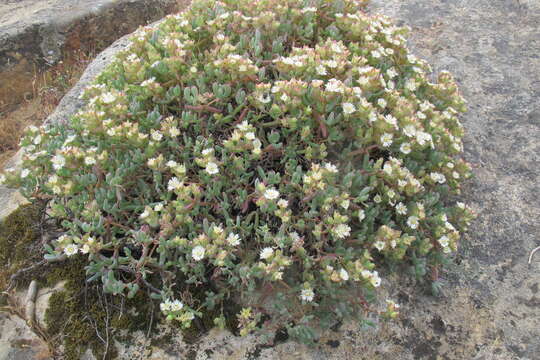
x,y
281,153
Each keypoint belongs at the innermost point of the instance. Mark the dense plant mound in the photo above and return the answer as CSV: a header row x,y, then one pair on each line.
x,y
276,152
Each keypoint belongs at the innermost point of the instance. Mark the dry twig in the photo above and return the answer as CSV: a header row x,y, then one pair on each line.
x,y
532,254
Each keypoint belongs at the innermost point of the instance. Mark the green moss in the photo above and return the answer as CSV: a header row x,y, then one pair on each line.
x,y
18,234
19,243
76,314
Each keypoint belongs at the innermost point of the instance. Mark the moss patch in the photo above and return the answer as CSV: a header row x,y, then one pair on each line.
x,y
19,242
77,314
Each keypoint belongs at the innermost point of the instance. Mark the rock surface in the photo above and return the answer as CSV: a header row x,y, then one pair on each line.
x,y
490,307
38,33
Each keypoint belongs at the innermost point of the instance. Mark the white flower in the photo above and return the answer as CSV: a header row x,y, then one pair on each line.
x,y
250,135
409,130
401,209
33,128
334,85
375,279
145,214
379,245
331,168
147,82
264,99
294,236
309,9
361,215
412,221
212,168
217,229
71,249
85,249
331,64
284,98
198,253
207,152
266,253
405,148
437,177
243,126
174,184
171,163
382,103
450,165
387,168
271,194
391,73
343,274
386,139
348,108
321,70
423,137
341,231
282,203
410,85
2,178
156,136
336,48
460,205
108,97
233,239
345,204
455,174
37,140
25,173
176,305
158,207
307,295
165,306
444,241
363,80
58,162
377,198
89,160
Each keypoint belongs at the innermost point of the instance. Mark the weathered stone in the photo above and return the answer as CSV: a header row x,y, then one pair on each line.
x,y
17,342
37,33
10,199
